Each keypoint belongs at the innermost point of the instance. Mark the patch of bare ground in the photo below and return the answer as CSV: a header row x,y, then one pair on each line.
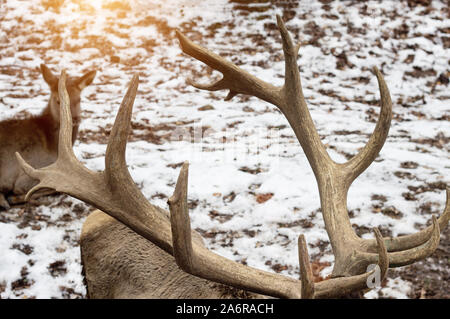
x,y
430,278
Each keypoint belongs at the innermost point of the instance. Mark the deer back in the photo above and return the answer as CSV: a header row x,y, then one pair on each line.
x,y
31,138
118,263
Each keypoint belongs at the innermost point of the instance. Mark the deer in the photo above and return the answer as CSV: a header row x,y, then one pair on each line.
x,y
133,249
36,137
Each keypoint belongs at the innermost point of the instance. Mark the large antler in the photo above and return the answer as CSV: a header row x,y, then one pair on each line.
x,y
352,254
114,192
111,191
201,262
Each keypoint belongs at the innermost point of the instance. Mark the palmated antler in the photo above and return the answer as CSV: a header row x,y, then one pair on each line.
x,y
114,192
352,254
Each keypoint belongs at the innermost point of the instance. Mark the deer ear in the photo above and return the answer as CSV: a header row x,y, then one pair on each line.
x,y
51,79
85,80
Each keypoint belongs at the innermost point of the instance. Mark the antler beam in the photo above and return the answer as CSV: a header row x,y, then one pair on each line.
x,y
199,261
352,253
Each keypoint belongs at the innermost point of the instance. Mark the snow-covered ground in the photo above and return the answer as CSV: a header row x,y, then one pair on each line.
x,y
253,194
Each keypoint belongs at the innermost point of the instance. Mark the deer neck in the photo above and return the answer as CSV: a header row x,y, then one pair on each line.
x,y
51,128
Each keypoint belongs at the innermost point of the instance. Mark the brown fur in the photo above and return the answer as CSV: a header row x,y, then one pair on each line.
x,y
118,263
36,138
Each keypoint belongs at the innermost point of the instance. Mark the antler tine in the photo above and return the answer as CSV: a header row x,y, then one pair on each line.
x,y
115,163
358,164
180,223
201,262
383,260
342,286
65,149
306,274
288,45
414,240
292,82
234,79
409,256
239,81
219,85
33,173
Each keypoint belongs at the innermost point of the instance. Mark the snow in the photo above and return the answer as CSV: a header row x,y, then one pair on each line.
x,y
260,138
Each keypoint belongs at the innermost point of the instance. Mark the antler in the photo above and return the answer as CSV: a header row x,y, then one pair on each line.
x,y
114,192
111,191
199,261
352,254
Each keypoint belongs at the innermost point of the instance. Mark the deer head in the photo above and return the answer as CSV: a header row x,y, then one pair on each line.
x,y
114,192
74,87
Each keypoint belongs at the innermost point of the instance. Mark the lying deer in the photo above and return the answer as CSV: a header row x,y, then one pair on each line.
x,y
142,251
36,138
